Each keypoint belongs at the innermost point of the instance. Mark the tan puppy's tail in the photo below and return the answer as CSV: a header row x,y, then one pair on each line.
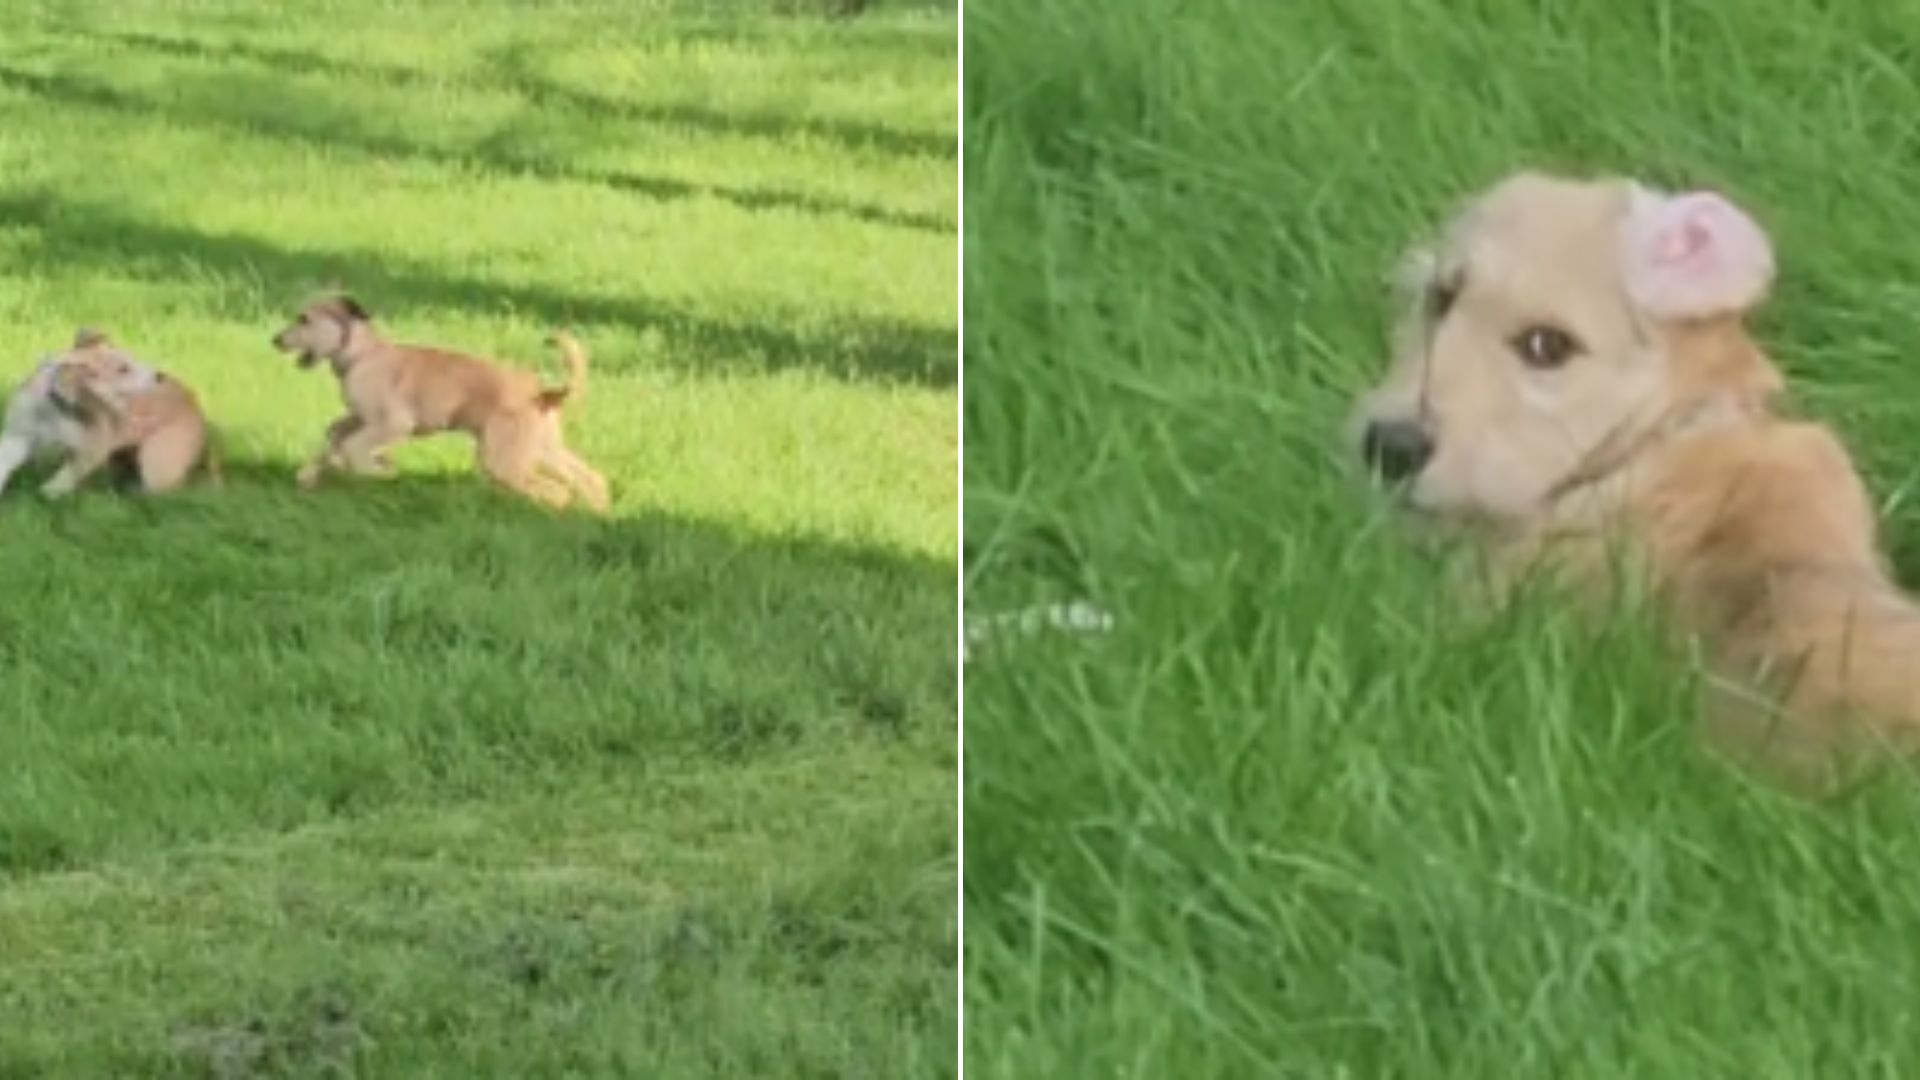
x,y
575,387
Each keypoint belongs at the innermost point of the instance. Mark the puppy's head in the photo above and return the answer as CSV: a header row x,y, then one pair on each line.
x,y
1555,322
323,329
96,365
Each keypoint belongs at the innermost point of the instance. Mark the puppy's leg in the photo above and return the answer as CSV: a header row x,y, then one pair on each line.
x,y
532,483
544,490
554,459
168,456
329,454
15,449
508,452
83,462
363,451
581,476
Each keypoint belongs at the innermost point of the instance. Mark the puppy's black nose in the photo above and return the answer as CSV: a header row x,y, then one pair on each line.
x,y
1396,449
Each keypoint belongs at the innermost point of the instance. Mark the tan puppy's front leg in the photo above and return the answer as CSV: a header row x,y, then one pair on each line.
x,y
329,455
83,463
363,449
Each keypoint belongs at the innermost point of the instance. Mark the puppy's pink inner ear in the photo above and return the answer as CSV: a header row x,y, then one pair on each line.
x,y
1688,240
1694,255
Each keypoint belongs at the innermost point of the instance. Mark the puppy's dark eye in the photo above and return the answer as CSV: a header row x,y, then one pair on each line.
x,y
1545,347
1440,298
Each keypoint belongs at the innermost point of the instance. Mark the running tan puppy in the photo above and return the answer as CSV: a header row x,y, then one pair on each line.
x,y
1574,379
396,392
157,429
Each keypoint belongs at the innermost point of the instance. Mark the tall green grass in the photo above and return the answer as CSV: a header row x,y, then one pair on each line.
x,y
408,778
1299,815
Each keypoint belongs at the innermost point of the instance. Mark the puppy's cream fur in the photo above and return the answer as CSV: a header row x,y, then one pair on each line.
x,y
1654,437
395,392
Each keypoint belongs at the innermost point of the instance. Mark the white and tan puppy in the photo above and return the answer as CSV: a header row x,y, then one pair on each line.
x,y
47,417
1573,386
157,430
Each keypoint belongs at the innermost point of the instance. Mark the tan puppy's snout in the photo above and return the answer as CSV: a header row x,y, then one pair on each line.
x,y
1396,450
287,342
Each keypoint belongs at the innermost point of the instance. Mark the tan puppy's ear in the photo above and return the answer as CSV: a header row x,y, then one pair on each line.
x,y
1693,256
87,337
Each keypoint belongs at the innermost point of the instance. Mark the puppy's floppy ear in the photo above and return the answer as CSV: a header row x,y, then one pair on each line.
x,y
352,307
1693,256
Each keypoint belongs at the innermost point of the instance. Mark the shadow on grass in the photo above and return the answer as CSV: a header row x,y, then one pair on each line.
x,y
928,42
511,68
494,151
74,237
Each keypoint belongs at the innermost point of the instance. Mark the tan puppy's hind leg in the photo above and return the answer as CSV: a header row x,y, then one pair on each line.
x,y
549,492
167,457
533,484
506,451
583,478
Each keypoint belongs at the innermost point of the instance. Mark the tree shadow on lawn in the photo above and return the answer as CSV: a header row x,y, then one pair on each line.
x,y
513,66
510,67
929,42
426,633
77,237
497,152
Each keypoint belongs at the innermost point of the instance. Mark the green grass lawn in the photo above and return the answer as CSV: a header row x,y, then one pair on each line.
x,y
1297,815
408,778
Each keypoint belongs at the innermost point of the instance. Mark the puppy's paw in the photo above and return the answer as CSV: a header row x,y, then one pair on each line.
x,y
308,477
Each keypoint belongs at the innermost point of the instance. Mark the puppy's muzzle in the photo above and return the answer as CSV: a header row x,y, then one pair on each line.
x,y
305,359
1396,450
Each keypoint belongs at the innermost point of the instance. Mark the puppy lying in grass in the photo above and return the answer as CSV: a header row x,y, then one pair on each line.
x,y
94,402
1573,386
396,392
